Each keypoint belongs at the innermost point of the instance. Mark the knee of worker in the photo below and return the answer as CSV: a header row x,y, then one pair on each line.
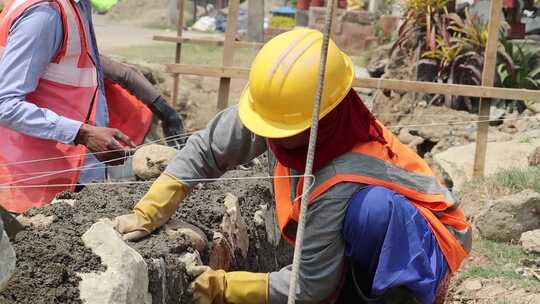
x,y
367,219
369,211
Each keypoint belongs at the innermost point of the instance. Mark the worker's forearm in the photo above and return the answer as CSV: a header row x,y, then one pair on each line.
x,y
130,79
223,145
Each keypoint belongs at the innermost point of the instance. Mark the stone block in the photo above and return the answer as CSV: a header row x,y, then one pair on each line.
x,y
126,279
149,161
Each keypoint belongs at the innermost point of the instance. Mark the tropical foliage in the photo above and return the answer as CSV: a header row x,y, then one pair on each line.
x,y
452,51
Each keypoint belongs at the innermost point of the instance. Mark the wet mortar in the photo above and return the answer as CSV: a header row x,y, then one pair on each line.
x,y
49,258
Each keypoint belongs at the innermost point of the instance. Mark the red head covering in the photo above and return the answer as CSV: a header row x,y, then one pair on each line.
x,y
340,130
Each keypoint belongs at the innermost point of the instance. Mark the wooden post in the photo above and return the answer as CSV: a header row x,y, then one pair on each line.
x,y
488,79
256,20
373,6
194,11
180,28
228,54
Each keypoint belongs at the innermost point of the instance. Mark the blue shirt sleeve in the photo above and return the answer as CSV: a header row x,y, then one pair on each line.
x,y
34,39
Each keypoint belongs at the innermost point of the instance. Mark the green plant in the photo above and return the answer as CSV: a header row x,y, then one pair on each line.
x,y
422,23
458,57
523,71
281,22
519,179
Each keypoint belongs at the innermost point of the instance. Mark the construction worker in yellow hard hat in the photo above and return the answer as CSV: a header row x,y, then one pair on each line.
x,y
371,230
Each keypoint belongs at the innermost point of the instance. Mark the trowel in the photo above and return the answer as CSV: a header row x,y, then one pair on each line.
x,y
11,224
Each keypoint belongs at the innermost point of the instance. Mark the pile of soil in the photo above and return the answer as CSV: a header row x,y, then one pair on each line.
x,y
49,257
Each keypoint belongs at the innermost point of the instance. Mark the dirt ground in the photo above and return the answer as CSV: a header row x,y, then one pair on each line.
x,y
58,246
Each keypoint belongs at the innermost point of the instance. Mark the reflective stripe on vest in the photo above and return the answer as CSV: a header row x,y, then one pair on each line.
x,y
405,173
70,69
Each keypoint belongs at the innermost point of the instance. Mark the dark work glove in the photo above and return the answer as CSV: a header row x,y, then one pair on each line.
x,y
172,124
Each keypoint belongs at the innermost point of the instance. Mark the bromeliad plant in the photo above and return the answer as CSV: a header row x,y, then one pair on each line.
x,y
458,55
422,24
519,68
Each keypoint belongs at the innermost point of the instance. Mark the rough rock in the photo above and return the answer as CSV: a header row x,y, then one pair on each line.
x,y
190,259
178,228
234,227
39,220
221,255
506,218
126,279
458,162
471,285
7,259
149,161
534,157
408,139
530,241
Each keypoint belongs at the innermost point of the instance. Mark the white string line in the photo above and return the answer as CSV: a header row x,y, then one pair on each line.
x,y
57,172
461,122
198,180
184,135
91,167
166,139
83,168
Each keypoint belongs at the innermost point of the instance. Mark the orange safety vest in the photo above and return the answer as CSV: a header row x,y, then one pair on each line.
x,y
33,170
402,171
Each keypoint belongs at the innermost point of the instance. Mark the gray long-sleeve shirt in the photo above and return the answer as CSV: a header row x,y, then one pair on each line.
x,y
225,144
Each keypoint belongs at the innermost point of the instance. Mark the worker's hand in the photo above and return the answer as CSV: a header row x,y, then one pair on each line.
x,y
220,287
173,127
108,145
209,287
131,226
154,209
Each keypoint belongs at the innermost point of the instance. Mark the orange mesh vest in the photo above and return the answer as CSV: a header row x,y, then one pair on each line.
x,y
68,86
404,172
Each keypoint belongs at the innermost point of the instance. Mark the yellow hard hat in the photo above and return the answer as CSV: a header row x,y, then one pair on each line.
x,y
278,100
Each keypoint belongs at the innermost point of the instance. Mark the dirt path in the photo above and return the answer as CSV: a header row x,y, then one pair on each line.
x,y
113,35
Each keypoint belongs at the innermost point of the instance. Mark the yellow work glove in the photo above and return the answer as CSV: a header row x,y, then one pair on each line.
x,y
154,209
220,287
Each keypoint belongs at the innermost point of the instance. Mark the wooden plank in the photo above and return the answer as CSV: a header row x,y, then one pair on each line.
x,y
206,41
228,54
178,55
208,71
376,83
488,79
446,89
256,20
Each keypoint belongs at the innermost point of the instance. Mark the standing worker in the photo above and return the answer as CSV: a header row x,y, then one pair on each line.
x,y
55,105
379,224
